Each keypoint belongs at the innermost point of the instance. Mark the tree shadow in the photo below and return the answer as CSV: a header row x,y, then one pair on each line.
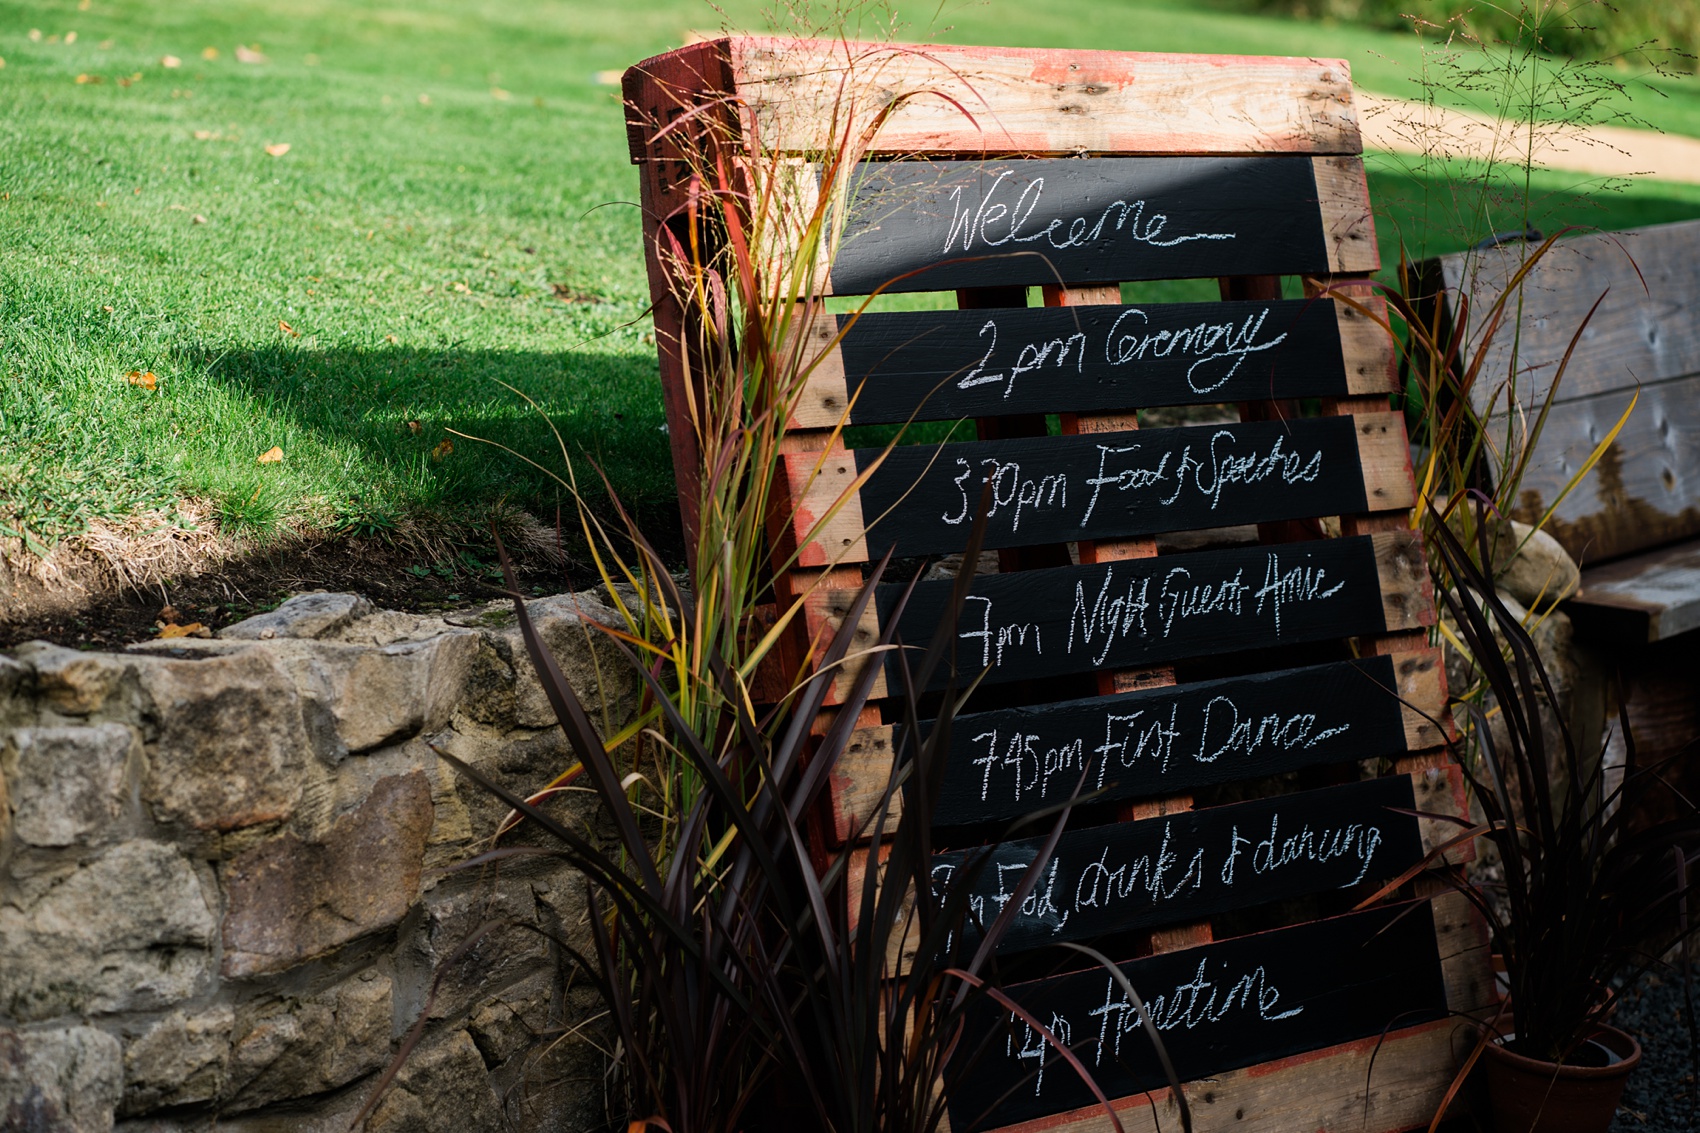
x,y
374,430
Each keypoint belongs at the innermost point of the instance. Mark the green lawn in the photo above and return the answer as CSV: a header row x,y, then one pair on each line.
x,y
432,230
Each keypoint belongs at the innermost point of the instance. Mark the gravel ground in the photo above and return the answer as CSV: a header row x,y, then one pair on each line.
x,y
1660,1096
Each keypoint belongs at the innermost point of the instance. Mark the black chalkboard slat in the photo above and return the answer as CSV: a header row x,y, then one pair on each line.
x,y
1278,1082
1103,880
1003,764
941,225
889,368
1190,865
1139,612
853,505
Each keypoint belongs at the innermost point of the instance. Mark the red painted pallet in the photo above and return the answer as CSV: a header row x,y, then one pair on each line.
x,y
1178,611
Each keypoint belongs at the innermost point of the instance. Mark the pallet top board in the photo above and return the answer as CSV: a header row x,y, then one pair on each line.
x,y
1006,100
938,225
1219,1007
1037,623
892,367
924,499
1102,880
1006,763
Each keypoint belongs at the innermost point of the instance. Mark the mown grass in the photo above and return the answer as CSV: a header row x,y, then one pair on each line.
x,y
452,212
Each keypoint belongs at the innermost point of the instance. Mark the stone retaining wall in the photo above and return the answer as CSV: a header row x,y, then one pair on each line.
x,y
224,885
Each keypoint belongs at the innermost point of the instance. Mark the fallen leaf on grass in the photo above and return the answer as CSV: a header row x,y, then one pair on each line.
x,y
2,60
444,448
609,78
70,38
499,94
144,378
135,78
85,80
415,428
170,62
108,310
193,629
566,294
209,53
278,149
197,219
273,455
35,35
250,54
424,100
287,329
462,288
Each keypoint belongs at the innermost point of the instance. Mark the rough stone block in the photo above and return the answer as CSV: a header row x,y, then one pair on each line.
x,y
69,783
128,931
598,674
66,1080
180,1059
231,741
1534,568
72,682
305,1047
305,615
291,900
378,695
442,1088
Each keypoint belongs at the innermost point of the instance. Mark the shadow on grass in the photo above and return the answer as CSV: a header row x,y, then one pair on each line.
x,y
1437,215
371,431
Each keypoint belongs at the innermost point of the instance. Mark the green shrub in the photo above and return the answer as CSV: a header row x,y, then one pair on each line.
x,y
1589,29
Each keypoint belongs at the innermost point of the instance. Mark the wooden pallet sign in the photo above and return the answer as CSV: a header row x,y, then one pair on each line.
x,y
1272,651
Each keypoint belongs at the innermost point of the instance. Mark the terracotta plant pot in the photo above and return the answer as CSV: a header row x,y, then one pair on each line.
x,y
1532,1096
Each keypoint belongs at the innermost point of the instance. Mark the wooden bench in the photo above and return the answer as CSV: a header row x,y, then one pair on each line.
x,y
1634,523
1278,666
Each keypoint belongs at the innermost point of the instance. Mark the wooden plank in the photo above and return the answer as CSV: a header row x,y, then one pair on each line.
x,y
657,99
1104,880
1348,225
1371,1085
1640,600
1006,763
1644,332
1226,1005
1146,611
921,499
936,225
944,365
1644,492
986,100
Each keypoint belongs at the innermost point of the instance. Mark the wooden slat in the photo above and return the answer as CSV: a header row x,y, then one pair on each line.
x,y
1152,742
1372,1085
936,225
1646,330
976,100
1347,222
660,97
1222,1006
1644,492
944,365
922,499
1141,612
1640,600
1105,880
